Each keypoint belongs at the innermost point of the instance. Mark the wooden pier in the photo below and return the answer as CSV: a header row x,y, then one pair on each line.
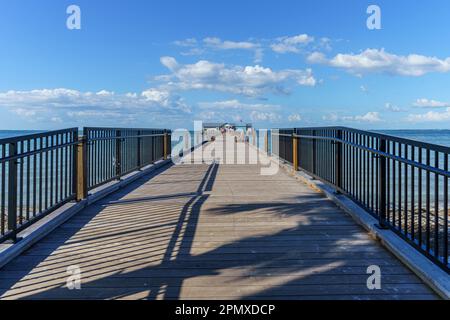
x,y
210,231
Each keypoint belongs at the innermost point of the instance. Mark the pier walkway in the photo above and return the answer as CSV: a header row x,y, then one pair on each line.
x,y
210,231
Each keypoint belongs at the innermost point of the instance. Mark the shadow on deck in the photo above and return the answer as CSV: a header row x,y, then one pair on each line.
x,y
210,232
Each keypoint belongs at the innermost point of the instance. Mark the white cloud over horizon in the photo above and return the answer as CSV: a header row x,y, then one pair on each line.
x,y
380,61
295,117
62,103
371,116
430,116
430,103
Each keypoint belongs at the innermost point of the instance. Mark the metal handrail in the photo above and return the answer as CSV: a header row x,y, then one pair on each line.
x,y
403,183
379,153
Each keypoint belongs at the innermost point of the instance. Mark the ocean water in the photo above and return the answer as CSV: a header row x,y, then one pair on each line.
x,y
441,137
15,133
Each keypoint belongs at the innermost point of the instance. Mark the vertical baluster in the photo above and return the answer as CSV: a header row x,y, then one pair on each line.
x,y
419,199
400,188
52,143
35,185
446,212
56,168
3,193
427,194
27,186
436,206
413,191
12,192
20,180
405,187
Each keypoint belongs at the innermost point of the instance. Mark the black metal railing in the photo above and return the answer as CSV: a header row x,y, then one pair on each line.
x,y
403,183
41,172
115,152
36,177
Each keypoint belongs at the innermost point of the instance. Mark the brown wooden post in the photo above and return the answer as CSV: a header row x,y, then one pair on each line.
x,y
165,145
266,142
81,169
295,152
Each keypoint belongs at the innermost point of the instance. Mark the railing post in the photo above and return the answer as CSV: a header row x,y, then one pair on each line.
x,y
81,169
294,152
338,160
12,192
382,185
139,139
266,142
165,145
118,154
314,147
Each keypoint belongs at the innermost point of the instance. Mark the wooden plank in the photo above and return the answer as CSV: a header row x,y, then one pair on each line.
x,y
192,232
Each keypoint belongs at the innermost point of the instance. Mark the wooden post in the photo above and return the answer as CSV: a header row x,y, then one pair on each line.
x,y
266,142
295,152
81,169
165,145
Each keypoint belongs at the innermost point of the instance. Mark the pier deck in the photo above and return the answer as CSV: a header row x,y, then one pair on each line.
x,y
210,232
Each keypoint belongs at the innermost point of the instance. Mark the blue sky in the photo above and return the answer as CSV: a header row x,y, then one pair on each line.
x,y
274,63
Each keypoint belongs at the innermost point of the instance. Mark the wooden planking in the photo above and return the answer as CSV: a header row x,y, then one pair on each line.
x,y
210,232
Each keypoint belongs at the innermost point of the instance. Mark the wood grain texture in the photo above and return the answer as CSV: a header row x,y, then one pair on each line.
x,y
210,232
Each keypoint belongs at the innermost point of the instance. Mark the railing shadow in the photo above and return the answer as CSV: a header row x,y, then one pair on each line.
x,y
315,257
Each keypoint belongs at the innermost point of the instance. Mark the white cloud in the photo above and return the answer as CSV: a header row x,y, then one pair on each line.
x,y
426,103
249,80
291,44
56,104
264,116
431,116
235,104
190,42
331,117
364,89
368,117
217,43
380,61
391,107
197,48
294,117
